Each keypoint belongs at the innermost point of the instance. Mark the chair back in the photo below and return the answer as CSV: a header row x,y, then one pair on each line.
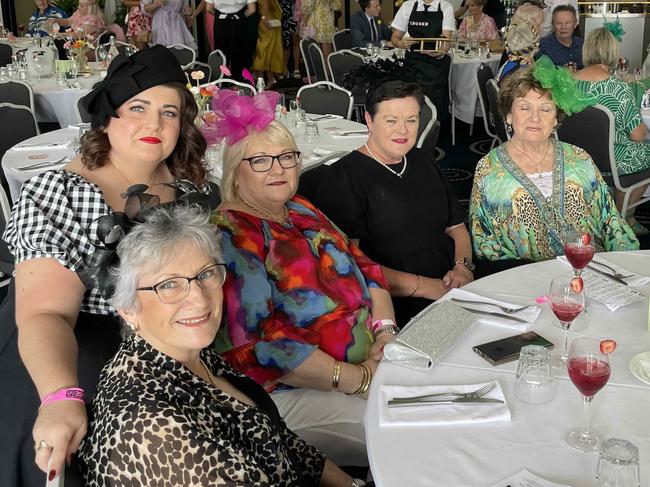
x,y
104,38
17,92
593,130
184,54
18,124
428,117
82,114
5,54
325,97
305,42
318,62
6,258
342,40
215,59
122,47
199,66
483,75
234,85
342,62
498,121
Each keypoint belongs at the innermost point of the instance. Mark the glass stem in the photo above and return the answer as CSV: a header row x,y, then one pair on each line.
x,y
565,347
586,401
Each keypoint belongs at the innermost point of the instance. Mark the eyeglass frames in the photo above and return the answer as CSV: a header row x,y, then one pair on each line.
x,y
175,289
287,160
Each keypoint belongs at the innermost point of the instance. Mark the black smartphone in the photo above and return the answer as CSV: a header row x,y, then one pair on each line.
x,y
507,349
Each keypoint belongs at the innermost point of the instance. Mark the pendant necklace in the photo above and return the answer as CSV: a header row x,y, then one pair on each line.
x,y
539,164
398,174
208,373
284,219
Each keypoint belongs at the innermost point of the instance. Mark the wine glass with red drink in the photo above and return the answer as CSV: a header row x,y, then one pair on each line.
x,y
588,368
578,249
567,300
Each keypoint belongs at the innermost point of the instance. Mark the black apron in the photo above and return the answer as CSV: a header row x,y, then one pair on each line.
x,y
432,74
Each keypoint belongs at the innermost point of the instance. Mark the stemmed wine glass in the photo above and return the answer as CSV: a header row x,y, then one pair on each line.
x,y
589,370
101,54
578,249
567,300
37,64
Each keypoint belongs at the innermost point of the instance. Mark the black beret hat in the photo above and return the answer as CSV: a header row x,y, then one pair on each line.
x,y
128,76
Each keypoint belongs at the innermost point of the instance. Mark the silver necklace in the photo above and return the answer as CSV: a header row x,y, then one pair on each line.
x,y
398,174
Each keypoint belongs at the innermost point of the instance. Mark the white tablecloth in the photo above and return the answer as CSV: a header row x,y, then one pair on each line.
x,y
19,44
463,85
482,454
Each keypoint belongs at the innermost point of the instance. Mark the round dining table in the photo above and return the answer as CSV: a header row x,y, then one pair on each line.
x,y
52,150
484,454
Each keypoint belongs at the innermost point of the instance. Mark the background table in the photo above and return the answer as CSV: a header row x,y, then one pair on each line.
x,y
482,454
463,84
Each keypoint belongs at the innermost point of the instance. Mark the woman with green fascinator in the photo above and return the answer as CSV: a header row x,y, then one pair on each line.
x,y
530,190
632,154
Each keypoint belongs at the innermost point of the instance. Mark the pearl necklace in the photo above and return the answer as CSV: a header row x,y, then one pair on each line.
x,y
398,174
208,373
284,219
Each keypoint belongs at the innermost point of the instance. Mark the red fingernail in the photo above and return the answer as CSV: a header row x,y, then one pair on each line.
x,y
51,476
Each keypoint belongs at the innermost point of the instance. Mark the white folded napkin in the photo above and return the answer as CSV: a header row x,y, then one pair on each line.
x,y
633,279
440,414
639,365
322,152
529,314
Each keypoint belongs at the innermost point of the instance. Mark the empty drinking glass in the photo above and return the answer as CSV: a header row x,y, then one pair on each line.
x,y
535,382
618,464
311,132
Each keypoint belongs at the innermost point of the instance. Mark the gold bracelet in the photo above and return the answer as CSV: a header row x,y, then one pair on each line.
x,y
336,376
417,286
366,376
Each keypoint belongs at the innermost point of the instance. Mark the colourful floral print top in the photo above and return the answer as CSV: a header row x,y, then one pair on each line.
x,y
511,219
292,288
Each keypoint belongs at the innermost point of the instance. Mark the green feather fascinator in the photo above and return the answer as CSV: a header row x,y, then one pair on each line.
x,y
562,85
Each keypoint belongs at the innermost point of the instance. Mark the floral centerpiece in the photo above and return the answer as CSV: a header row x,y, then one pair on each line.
x,y
78,49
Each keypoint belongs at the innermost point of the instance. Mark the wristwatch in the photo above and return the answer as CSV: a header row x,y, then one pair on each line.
x,y
466,262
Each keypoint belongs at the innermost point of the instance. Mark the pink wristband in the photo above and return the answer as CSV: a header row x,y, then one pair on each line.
x,y
67,393
377,324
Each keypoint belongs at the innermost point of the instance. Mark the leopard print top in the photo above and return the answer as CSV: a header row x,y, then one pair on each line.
x,y
156,423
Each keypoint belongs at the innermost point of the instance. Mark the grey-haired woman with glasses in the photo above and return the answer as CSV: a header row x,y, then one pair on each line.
x,y
306,312
168,410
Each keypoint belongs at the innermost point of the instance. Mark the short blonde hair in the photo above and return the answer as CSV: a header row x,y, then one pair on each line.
x,y
521,38
275,133
600,47
530,13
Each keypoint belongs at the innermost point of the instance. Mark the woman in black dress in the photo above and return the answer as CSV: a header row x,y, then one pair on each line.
x,y
57,330
393,199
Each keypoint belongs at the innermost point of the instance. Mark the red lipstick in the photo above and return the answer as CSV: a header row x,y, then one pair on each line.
x,y
150,140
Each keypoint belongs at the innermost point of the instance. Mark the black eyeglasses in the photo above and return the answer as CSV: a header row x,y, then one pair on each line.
x,y
176,289
287,160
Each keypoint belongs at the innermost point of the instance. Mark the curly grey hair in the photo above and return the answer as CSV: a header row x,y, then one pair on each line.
x,y
154,243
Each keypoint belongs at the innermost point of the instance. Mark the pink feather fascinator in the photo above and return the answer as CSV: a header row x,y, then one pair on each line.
x,y
238,116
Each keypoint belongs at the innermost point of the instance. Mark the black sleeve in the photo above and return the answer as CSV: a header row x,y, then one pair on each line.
x,y
456,213
356,32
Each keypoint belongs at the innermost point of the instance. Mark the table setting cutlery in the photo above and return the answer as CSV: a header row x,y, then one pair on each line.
x,y
350,133
320,118
454,404
44,164
40,145
505,309
607,275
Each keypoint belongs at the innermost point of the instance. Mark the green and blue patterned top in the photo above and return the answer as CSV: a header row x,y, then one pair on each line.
x,y
618,96
511,219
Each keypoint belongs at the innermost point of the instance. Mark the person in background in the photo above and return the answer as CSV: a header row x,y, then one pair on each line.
x,y
549,8
231,31
393,201
138,28
318,18
306,312
209,23
269,56
366,25
562,46
521,43
88,19
289,27
168,24
44,11
491,8
168,409
529,191
600,54
478,24
531,13
58,328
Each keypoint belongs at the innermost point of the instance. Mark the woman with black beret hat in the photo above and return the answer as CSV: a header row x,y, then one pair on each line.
x,y
143,149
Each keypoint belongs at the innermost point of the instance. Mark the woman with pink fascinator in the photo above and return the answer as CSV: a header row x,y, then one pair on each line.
x,y
306,313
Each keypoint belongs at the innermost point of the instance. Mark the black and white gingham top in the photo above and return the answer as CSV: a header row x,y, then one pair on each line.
x,y
54,217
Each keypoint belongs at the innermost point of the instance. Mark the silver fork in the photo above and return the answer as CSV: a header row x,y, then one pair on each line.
x,y
505,309
611,269
466,395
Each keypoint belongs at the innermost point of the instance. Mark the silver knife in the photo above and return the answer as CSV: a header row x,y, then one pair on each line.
x,y
50,144
610,276
351,132
494,313
459,400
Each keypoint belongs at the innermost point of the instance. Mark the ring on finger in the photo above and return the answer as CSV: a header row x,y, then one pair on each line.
x,y
41,444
